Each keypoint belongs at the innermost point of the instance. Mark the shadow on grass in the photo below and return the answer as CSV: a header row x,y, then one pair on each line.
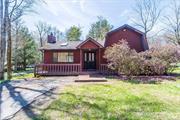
x,y
72,106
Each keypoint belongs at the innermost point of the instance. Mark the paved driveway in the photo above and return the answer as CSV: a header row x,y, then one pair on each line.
x,y
16,94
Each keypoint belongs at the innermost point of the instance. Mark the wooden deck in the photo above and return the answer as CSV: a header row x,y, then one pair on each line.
x,y
66,69
57,69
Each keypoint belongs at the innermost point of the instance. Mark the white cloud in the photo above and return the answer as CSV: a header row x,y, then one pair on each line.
x,y
65,13
81,3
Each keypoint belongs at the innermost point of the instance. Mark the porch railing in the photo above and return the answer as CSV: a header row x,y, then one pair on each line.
x,y
57,69
103,69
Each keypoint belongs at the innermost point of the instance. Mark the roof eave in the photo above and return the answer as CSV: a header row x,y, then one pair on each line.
x,y
89,39
128,26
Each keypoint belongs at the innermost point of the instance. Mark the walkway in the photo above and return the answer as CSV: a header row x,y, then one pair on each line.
x,y
15,95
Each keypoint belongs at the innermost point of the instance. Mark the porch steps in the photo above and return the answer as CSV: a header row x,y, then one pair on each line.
x,y
90,73
91,78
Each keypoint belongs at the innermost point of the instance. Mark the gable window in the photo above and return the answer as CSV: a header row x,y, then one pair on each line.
x,y
63,57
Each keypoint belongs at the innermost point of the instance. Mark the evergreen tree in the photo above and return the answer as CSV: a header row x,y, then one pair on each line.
x,y
74,33
99,29
26,53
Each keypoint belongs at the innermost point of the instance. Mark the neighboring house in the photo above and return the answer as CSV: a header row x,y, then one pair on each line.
x,y
73,57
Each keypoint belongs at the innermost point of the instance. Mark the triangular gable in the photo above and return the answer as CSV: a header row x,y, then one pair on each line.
x,y
144,41
89,39
126,26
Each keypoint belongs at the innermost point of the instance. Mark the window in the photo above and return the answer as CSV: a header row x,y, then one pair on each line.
x,y
89,57
85,57
55,57
93,57
63,57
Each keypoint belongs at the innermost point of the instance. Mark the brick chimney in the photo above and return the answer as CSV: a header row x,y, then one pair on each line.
x,y
51,38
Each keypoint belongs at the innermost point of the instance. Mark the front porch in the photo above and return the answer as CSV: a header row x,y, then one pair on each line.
x,y
67,69
86,56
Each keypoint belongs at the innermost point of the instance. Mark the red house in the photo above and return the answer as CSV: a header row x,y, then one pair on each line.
x,y
73,57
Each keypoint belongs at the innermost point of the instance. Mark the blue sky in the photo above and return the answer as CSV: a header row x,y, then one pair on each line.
x,y
65,13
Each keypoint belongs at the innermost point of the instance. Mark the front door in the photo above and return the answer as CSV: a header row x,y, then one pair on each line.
x,y
89,60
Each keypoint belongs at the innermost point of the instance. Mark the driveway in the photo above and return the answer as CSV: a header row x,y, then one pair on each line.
x,y
15,95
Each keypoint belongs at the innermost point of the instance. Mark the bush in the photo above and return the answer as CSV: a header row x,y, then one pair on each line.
x,y
156,61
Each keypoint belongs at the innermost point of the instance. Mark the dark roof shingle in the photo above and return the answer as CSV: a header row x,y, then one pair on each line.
x,y
68,45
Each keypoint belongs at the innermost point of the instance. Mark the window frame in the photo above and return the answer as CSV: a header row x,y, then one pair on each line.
x,y
56,55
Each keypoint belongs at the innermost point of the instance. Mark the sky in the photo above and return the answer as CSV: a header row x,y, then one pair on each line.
x,y
65,13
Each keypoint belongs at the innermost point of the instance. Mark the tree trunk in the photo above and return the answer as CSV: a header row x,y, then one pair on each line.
x,y
1,41
16,46
24,65
24,60
4,18
9,52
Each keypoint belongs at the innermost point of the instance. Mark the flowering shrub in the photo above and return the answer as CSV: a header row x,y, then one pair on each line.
x,y
156,61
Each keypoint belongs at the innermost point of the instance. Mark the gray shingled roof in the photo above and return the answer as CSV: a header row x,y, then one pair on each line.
x,y
71,45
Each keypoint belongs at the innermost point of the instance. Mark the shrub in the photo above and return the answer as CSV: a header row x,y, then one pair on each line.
x,y
167,54
156,61
123,59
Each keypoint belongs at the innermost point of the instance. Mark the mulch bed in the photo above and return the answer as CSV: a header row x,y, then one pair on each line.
x,y
146,79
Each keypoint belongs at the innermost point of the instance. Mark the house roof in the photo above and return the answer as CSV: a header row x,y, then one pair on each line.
x,y
72,45
98,43
126,26
67,45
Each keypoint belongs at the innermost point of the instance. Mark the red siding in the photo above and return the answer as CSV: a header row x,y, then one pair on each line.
x,y
48,55
97,59
133,38
89,45
103,60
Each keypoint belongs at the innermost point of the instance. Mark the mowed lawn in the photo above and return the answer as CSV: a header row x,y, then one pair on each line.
x,y
118,100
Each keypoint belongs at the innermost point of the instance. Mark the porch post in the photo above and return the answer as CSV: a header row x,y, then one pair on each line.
x,y
81,59
99,58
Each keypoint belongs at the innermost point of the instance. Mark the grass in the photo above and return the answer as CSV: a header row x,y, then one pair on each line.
x,y
22,76
19,75
117,101
176,70
1,81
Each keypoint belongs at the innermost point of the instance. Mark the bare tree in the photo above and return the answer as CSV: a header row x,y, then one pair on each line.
x,y
4,19
148,13
1,49
16,8
43,29
173,23
10,10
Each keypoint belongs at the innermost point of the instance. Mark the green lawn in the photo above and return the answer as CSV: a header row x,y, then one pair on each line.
x,y
25,74
22,76
176,70
19,75
117,101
